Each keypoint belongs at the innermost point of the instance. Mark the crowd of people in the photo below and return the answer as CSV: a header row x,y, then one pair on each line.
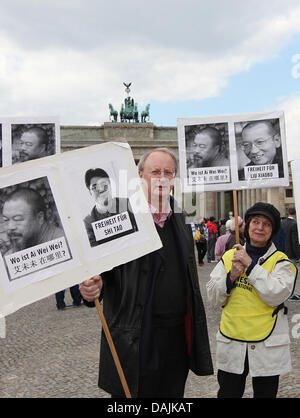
x,y
212,238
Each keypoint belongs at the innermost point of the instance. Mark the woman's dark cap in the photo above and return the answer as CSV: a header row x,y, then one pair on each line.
x,y
267,210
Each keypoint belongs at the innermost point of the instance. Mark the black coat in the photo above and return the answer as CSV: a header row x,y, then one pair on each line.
x,y
291,245
124,297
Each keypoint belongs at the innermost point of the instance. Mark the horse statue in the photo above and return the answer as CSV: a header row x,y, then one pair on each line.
x,y
130,111
145,113
113,113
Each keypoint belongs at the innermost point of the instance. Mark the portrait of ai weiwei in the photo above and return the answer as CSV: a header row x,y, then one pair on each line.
x,y
30,141
32,236
207,153
111,217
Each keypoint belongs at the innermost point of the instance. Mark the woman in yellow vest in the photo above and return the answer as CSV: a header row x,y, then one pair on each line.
x,y
251,283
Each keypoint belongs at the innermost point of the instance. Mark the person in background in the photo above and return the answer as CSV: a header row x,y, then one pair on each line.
x,y
231,241
291,242
75,294
279,239
221,242
201,243
222,227
212,234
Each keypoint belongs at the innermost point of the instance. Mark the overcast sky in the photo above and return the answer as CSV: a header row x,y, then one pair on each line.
x,y
185,58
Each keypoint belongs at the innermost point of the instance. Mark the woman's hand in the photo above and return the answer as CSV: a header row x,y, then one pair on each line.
x,y
240,261
237,269
240,255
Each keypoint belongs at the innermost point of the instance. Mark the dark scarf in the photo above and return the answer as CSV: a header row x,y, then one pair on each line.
x,y
256,252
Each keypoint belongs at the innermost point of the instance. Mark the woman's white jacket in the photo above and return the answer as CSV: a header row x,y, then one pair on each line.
x,y
271,356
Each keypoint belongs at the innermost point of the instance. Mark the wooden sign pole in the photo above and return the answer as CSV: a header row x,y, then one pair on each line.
x,y
235,207
112,349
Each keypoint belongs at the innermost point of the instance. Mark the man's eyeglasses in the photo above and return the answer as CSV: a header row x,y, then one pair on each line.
x,y
165,173
259,143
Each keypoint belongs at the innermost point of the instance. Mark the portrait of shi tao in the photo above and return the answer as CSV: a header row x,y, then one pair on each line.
x,y
207,153
110,217
259,149
31,234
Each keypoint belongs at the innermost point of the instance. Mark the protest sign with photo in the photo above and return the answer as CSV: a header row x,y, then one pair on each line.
x,y
63,220
28,138
32,234
103,206
233,152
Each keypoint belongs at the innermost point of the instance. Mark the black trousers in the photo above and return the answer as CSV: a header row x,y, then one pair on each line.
x,y
233,385
201,249
211,249
168,381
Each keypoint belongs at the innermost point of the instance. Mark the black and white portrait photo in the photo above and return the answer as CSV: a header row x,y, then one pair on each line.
x,y
32,140
32,237
207,153
110,217
259,149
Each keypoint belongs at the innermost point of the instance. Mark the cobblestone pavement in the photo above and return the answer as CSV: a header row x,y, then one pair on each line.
x,y
54,354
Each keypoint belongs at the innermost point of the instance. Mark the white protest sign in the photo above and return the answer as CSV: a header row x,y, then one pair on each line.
x,y
112,226
257,172
295,168
233,152
208,175
2,327
37,258
68,217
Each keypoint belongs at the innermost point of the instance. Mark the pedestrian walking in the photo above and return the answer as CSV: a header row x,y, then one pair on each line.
x,y
231,241
221,242
200,239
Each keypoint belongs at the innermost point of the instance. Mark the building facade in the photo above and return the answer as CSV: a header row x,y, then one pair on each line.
x,y
143,137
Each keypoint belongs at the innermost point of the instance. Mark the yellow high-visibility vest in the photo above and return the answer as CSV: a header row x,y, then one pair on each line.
x,y
246,317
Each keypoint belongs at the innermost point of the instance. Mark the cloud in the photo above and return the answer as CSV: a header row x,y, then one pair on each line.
x,y
71,61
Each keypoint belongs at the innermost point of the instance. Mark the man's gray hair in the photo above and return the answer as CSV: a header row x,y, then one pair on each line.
x,y
144,157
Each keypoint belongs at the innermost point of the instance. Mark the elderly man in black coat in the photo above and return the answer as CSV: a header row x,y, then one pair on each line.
x,y
153,304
